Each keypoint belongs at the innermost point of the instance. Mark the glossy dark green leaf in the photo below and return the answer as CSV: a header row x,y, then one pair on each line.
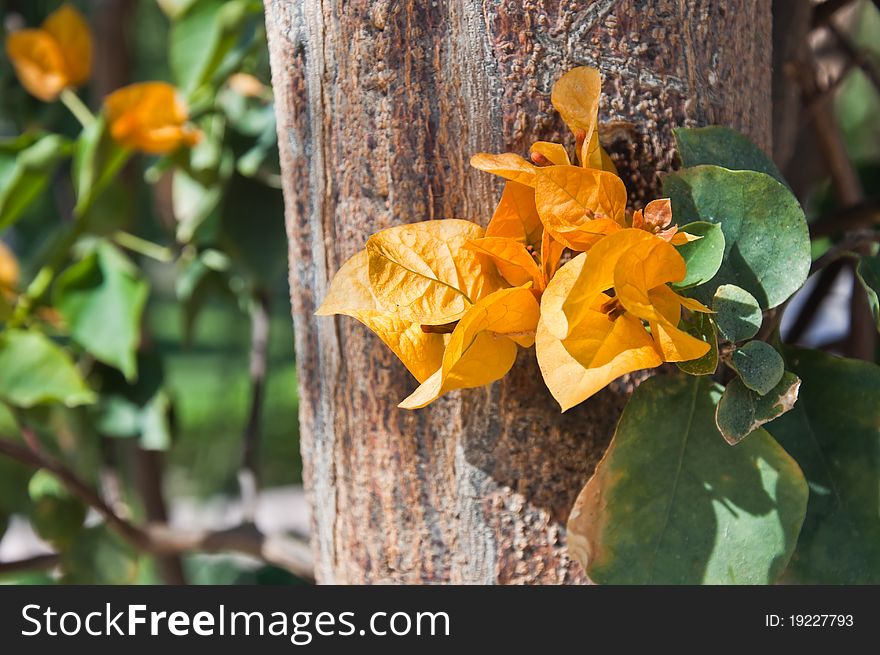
x,y
834,433
102,300
868,272
736,312
758,365
725,147
741,411
26,166
701,326
671,503
766,244
34,370
703,256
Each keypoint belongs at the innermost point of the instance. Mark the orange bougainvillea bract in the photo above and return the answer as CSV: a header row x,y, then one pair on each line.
x,y
150,117
53,57
455,302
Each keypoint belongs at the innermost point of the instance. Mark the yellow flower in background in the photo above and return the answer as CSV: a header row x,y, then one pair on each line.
x,y
54,57
150,117
593,315
9,271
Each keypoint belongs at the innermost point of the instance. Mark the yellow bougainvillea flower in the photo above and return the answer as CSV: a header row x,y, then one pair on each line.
x,y
517,242
350,294
657,219
588,337
578,206
150,117
413,285
483,346
54,57
576,97
9,271
423,272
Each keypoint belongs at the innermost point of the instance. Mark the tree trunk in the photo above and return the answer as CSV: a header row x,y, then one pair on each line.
x,y
380,105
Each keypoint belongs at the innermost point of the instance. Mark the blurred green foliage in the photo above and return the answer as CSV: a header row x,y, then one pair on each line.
x,y
140,277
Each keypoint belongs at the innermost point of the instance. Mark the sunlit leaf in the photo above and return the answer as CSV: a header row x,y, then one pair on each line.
x,y
671,503
766,244
759,366
722,146
34,370
703,256
737,313
102,300
741,411
508,165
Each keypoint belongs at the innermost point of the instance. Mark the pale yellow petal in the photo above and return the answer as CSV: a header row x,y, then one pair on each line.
x,y
516,216
512,259
570,199
597,275
508,165
71,31
422,272
677,345
39,63
576,97
350,294
651,263
569,382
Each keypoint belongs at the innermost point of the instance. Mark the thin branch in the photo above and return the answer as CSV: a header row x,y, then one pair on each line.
x,y
863,215
281,550
823,12
36,563
852,53
259,364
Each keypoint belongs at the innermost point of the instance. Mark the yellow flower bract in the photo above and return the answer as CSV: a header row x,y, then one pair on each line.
x,y
455,302
54,57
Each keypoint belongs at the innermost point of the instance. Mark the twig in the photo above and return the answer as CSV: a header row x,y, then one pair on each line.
x,y
855,55
823,12
36,563
863,215
248,477
281,550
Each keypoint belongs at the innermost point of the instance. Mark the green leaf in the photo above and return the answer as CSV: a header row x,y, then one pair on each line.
x,y
141,409
26,167
759,366
201,38
736,312
868,272
703,327
97,158
55,513
703,256
670,503
766,244
102,300
834,433
741,411
33,370
99,556
722,146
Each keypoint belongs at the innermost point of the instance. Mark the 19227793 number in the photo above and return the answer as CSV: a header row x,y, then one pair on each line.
x,y
820,620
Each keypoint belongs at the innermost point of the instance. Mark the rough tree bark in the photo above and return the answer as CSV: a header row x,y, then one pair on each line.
x,y
380,104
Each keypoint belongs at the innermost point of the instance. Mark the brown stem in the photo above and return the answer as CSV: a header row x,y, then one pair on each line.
x,y
148,477
862,215
36,563
281,550
259,360
823,11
